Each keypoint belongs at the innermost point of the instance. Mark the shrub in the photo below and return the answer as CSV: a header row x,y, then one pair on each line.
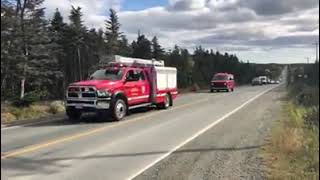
x,y
31,112
30,98
312,116
7,117
56,107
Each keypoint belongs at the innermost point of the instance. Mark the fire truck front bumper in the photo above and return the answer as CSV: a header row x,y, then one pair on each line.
x,y
219,88
88,105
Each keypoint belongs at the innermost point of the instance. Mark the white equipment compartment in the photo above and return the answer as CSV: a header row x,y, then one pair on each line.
x,y
166,77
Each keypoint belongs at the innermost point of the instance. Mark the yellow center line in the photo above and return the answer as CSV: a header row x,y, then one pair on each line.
x,y
39,146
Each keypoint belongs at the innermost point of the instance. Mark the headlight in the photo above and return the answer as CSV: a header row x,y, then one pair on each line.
x,y
103,93
225,84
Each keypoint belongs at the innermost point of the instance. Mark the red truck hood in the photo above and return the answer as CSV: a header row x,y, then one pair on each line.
x,y
99,84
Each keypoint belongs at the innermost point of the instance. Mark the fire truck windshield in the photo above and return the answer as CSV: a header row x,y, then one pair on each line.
x,y
107,74
220,77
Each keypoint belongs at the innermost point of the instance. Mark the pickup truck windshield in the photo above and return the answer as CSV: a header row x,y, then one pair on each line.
x,y
107,74
220,77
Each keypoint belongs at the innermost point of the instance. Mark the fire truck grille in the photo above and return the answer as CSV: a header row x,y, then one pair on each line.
x,y
81,92
219,85
72,94
80,102
88,94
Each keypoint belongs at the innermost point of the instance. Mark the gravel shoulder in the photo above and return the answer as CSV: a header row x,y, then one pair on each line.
x,y
229,150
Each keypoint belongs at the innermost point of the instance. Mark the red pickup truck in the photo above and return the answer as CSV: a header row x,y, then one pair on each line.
x,y
222,81
124,84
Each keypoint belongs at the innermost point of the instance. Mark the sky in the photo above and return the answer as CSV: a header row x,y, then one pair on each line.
x,y
259,31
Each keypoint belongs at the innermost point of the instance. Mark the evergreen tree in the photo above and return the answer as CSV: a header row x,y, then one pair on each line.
x,y
157,50
34,58
113,33
141,48
124,48
43,68
75,45
9,51
57,30
94,49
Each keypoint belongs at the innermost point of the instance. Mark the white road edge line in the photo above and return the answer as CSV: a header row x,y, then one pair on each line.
x,y
199,133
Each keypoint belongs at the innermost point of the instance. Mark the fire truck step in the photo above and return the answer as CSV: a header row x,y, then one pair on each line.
x,y
140,105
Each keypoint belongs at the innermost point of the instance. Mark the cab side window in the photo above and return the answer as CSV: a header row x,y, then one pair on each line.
x,y
132,76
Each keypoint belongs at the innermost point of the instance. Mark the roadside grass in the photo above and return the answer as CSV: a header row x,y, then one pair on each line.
x,y
11,113
292,151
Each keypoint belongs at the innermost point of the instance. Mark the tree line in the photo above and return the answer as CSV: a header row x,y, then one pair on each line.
x,y
43,56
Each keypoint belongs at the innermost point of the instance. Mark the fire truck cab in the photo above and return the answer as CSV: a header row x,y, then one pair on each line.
x,y
124,84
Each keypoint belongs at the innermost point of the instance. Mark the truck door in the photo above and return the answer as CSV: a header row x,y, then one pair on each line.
x,y
131,89
144,86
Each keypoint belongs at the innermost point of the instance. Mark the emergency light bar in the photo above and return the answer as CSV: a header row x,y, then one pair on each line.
x,y
137,61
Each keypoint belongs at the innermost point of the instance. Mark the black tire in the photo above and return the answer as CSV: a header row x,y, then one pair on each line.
x,y
73,114
166,103
211,90
119,109
232,89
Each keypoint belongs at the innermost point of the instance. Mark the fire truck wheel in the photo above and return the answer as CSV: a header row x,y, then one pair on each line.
x,y
73,114
119,109
166,103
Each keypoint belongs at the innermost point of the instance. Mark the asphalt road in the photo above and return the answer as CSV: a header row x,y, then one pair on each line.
x,y
192,140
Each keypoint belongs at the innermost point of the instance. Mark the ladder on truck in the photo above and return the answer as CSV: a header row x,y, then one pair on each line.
x,y
137,61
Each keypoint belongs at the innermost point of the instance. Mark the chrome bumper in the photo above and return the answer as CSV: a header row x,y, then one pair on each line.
x,y
218,88
83,103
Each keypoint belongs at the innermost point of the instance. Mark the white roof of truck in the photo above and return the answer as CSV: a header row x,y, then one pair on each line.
x,y
132,61
166,69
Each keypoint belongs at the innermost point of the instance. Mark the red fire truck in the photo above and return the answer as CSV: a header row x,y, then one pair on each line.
x,y
124,84
222,81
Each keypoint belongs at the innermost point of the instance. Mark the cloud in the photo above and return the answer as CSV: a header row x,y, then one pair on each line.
x,y
93,10
287,41
186,5
161,19
228,25
276,7
223,4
